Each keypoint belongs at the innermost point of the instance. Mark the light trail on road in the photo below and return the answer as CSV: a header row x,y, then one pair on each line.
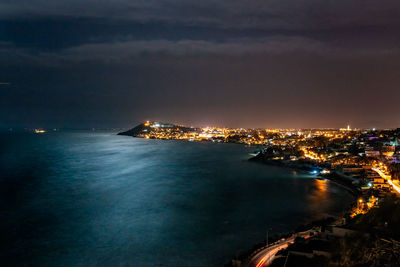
x,y
268,257
397,188
388,178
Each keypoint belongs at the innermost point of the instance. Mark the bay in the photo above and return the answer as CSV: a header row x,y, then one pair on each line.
x,y
99,199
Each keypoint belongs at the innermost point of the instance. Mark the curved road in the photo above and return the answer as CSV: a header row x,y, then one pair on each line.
x,y
394,184
267,255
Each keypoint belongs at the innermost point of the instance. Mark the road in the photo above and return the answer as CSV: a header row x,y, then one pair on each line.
x,y
267,255
394,184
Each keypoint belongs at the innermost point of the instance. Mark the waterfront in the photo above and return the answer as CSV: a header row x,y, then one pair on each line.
x,y
90,198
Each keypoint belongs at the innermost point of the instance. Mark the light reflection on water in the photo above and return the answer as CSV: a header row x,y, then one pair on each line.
x,y
101,199
322,186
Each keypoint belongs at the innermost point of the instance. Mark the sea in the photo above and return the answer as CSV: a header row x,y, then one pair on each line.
x,y
90,198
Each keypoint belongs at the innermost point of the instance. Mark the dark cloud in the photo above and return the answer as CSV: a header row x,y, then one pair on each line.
x,y
239,63
255,13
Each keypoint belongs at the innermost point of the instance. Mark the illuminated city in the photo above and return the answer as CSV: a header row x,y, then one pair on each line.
x,y
187,133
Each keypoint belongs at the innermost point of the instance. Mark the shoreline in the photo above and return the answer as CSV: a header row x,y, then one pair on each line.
x,y
305,168
219,141
245,258
302,167
335,178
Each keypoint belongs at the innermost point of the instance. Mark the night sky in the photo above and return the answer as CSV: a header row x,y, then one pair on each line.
x,y
280,63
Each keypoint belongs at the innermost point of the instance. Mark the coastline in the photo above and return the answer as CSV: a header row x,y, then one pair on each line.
x,y
209,141
303,167
306,168
245,258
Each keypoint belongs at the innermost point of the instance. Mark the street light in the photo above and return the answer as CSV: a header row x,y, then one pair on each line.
x,y
360,200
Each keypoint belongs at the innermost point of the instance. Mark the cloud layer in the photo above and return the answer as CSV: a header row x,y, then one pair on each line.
x,y
235,62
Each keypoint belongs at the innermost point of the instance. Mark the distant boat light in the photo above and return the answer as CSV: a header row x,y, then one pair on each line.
x,y
39,131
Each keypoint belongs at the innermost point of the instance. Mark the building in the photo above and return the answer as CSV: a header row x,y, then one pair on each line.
x,y
371,152
388,151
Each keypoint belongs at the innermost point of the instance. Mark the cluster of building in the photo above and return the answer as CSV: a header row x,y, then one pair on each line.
x,y
369,159
365,161
157,130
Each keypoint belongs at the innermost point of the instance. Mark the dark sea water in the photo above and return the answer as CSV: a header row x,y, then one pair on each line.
x,y
98,199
